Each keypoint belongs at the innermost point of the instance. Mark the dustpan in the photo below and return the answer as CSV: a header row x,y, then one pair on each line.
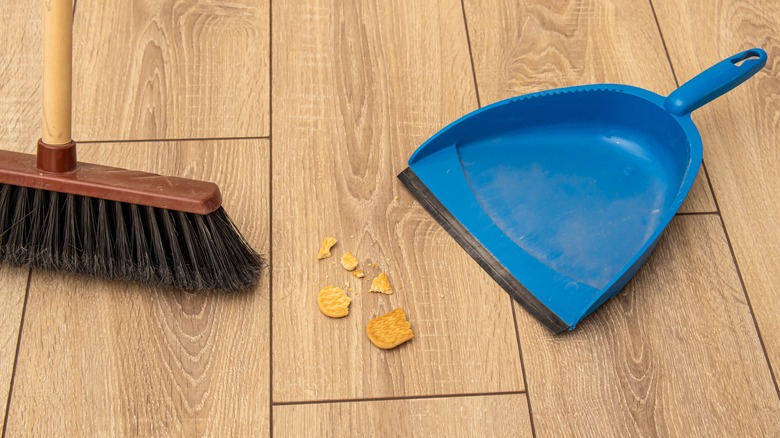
x,y
562,195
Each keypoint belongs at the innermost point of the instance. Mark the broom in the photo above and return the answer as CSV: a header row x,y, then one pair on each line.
x,y
59,214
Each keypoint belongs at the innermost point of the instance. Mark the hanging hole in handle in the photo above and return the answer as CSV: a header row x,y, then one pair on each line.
x,y
750,54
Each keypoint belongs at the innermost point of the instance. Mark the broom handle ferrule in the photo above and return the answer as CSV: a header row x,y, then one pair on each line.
x,y
57,71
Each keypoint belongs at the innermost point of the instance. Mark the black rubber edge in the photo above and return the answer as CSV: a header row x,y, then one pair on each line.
x,y
478,252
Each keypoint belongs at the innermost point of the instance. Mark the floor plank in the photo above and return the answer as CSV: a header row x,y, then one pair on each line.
x,y
182,69
502,415
13,284
107,359
19,129
675,354
357,87
534,45
739,132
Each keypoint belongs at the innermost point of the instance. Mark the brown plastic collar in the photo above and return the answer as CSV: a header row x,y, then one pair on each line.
x,y
56,159
55,169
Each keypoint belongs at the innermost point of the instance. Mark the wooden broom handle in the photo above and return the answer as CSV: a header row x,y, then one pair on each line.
x,y
57,66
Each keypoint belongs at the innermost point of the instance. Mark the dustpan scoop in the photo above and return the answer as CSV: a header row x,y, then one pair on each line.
x,y
562,195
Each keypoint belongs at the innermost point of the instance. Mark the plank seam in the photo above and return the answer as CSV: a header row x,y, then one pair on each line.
x,y
522,368
270,223
747,299
409,397
471,53
16,355
162,140
696,213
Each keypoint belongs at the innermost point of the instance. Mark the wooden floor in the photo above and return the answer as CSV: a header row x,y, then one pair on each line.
x,y
304,112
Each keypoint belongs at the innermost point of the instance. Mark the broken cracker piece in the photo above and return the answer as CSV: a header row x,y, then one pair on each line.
x,y
358,273
349,262
333,302
381,284
389,330
327,244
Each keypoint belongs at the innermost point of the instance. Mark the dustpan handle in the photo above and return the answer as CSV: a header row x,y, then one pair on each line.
x,y
715,81
57,67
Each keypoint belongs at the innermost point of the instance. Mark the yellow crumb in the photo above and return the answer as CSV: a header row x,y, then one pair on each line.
x,y
327,244
349,262
358,273
381,284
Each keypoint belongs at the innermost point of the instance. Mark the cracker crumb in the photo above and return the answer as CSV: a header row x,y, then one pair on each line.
x,y
325,248
349,262
389,330
358,273
333,302
381,284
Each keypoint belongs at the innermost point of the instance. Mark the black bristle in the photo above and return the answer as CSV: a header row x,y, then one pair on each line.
x,y
124,242
104,240
158,250
50,242
86,231
179,268
17,251
70,259
141,256
194,252
122,250
6,204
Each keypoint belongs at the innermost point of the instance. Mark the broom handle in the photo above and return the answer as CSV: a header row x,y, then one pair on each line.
x,y
57,66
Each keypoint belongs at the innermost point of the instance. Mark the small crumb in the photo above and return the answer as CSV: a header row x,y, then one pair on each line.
x,y
325,248
395,198
381,284
349,262
358,273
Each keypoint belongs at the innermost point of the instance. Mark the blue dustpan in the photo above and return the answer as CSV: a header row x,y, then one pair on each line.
x,y
562,195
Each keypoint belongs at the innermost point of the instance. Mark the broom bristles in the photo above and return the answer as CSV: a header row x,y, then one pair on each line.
x,y
124,242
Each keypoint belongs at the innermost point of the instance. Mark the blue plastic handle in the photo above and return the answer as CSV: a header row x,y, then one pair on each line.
x,y
715,81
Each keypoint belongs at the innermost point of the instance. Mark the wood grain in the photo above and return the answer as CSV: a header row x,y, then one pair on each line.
x,y
740,138
108,359
20,75
502,415
675,354
534,45
358,85
152,69
13,284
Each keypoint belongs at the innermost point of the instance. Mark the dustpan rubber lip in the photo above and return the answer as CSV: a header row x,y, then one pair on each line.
x,y
479,253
